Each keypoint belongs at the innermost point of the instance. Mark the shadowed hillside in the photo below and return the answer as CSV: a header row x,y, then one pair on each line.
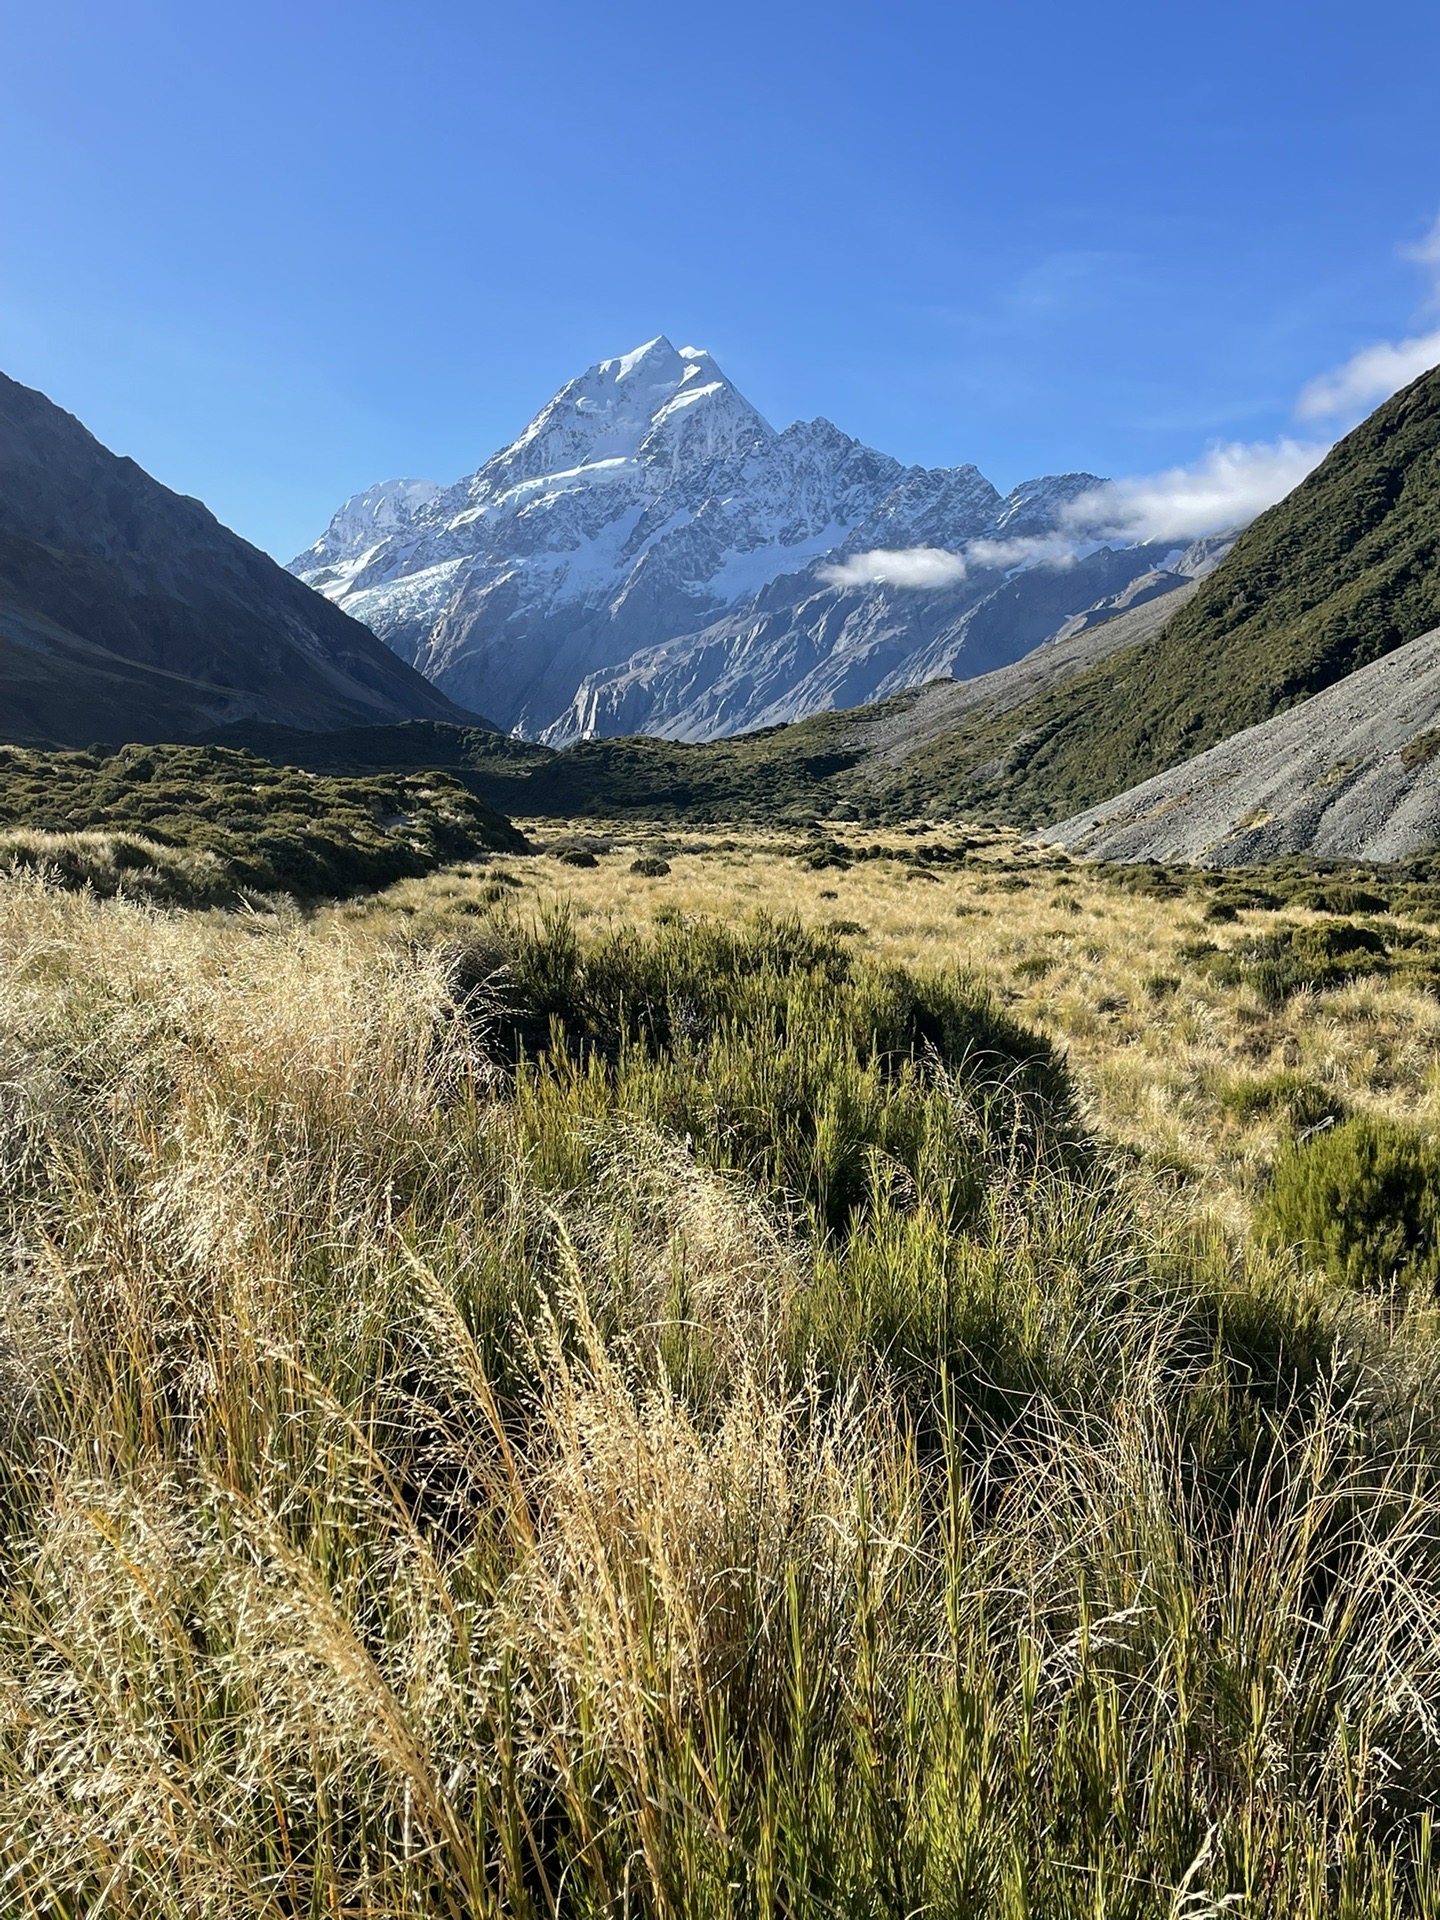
x,y
128,612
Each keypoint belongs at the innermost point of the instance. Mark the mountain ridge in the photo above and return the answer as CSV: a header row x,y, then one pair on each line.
x,y
648,505
1340,573
128,610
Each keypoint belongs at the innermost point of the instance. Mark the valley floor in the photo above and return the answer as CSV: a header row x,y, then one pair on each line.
x,y
566,1390
1202,1077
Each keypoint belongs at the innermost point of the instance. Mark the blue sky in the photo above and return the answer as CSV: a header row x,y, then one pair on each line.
x,y
278,252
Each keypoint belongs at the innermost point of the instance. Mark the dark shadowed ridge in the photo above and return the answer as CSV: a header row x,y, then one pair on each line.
x,y
128,612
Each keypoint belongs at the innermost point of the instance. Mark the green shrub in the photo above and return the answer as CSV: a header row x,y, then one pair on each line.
x,y
1362,1201
1035,966
1319,956
1302,1104
650,867
1338,896
201,826
775,1051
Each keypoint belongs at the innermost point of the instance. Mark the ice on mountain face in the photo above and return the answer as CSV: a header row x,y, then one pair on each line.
x,y
629,409
647,501
367,518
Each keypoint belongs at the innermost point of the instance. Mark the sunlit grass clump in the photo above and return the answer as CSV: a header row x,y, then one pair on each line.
x,y
664,1422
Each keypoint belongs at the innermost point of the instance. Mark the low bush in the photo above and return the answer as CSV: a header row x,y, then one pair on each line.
x,y
1339,896
1320,956
1362,1201
785,1055
650,867
1302,1104
1035,966
206,826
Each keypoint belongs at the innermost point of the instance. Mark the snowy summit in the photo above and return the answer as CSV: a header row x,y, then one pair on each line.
x,y
650,554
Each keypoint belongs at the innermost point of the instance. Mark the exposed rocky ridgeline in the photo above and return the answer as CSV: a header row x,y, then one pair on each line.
x,y
127,612
652,556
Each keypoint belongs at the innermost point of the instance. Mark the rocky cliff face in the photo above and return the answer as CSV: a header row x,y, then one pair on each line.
x,y
129,612
652,555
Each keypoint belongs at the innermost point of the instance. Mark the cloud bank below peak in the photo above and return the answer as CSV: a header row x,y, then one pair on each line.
x,y
897,567
1223,490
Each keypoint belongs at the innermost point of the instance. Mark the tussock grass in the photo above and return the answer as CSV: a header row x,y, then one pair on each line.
x,y
484,1436
209,826
1173,1056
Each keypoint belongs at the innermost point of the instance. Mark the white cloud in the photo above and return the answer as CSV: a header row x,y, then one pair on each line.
x,y
1028,550
1375,372
1428,253
1225,489
1370,376
898,567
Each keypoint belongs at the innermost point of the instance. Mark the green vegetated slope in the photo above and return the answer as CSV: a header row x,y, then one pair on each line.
x,y
1341,572
198,826
779,774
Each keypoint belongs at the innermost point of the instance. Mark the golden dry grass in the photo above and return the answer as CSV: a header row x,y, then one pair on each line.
x,y
440,1483
1165,1069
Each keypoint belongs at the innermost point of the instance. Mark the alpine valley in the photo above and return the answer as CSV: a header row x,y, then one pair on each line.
x,y
652,556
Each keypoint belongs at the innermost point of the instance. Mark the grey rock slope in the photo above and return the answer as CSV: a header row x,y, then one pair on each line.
x,y
935,711
805,646
1353,772
652,556
129,612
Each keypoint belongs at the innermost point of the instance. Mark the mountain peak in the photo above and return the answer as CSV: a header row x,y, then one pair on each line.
x,y
370,516
655,401
647,500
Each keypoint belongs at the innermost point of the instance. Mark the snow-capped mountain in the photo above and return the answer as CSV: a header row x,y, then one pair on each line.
x,y
651,554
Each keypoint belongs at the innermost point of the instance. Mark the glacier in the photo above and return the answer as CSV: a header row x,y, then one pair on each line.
x,y
651,555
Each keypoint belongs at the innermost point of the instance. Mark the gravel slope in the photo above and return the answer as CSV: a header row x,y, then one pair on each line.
x,y
1353,772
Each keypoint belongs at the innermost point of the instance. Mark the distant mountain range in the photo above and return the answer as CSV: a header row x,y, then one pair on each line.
x,y
1276,693
127,612
651,556
1284,699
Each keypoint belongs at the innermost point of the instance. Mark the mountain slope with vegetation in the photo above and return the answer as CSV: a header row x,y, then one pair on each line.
x,y
1342,572
1351,773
